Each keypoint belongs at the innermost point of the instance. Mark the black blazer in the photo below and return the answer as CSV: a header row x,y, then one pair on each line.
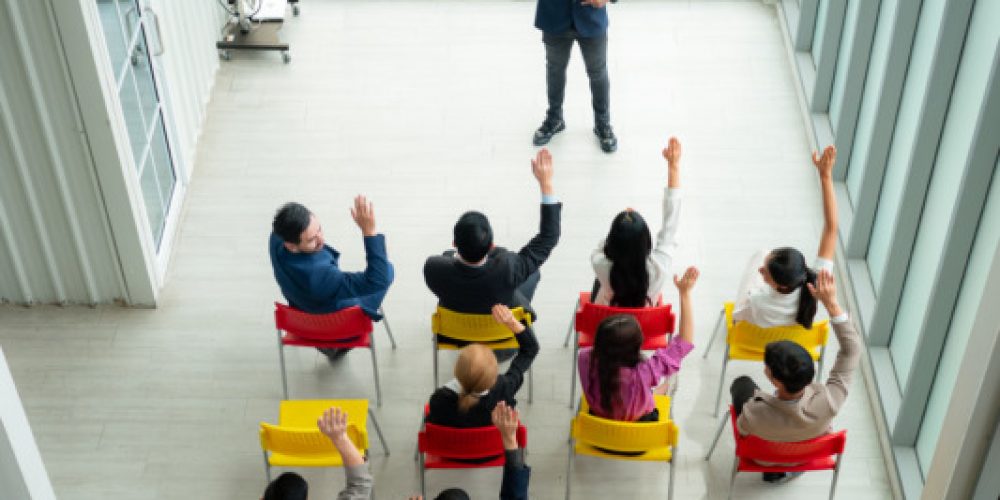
x,y
476,290
444,402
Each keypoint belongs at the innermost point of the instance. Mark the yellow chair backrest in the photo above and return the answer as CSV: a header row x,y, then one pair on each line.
x,y
625,436
306,442
747,340
474,327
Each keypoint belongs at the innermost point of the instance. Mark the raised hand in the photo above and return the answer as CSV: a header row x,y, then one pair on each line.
x,y
541,167
825,162
503,315
825,291
686,282
672,153
363,214
506,420
333,424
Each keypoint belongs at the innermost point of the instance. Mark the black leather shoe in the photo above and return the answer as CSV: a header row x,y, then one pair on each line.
x,y
609,143
548,129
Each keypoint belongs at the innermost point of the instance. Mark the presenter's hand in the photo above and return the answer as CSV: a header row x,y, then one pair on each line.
x,y
541,167
364,215
597,4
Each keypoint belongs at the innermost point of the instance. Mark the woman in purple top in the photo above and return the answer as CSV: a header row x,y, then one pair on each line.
x,y
617,382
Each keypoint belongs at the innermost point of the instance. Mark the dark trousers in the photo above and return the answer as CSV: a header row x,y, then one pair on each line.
x,y
595,58
742,390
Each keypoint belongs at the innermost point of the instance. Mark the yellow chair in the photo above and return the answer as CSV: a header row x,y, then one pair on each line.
x,y
746,342
475,328
642,441
296,440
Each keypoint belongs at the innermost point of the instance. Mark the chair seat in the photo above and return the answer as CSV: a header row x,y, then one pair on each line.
x,y
439,462
362,340
741,353
305,412
825,463
506,344
282,460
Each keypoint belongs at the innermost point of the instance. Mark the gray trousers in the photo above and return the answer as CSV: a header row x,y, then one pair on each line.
x,y
595,58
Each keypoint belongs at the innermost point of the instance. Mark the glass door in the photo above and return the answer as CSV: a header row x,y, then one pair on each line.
x,y
129,29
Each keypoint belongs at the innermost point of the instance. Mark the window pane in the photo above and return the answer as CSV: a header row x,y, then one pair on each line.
x,y
151,199
164,167
132,112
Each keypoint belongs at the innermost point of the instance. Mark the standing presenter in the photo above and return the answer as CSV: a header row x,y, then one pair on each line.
x,y
586,22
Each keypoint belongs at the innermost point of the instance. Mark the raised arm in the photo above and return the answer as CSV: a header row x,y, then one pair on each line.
x,y
667,360
849,354
516,474
666,237
824,165
511,381
672,153
377,276
333,423
534,254
684,285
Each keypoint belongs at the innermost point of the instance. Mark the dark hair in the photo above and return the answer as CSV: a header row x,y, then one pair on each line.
x,y
627,246
473,236
788,269
288,486
616,345
290,221
453,494
790,363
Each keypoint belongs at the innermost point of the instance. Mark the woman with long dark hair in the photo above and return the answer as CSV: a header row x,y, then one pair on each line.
x,y
774,289
617,382
630,270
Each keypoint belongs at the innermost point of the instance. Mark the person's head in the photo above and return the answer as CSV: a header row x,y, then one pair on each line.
x,y
786,271
476,371
288,486
627,246
473,236
616,345
453,494
298,228
788,365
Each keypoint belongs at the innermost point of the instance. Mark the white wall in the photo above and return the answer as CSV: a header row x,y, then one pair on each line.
x,y
22,473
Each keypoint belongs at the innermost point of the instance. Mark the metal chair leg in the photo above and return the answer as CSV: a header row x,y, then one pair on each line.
x,y
673,468
435,362
281,359
732,480
572,373
722,379
378,430
385,323
531,386
267,467
715,333
569,467
836,474
718,433
378,385
423,478
572,323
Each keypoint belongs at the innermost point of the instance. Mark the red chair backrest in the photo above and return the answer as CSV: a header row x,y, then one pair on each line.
x,y
761,450
345,323
655,321
465,443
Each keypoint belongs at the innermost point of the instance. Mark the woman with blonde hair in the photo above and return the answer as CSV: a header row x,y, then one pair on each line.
x,y
468,399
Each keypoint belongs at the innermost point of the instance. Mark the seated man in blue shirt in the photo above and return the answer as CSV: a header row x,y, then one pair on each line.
x,y
307,269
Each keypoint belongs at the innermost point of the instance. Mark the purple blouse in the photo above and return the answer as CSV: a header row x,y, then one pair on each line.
x,y
634,384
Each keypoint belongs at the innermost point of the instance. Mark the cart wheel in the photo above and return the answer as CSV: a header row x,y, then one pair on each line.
x,y
285,56
295,9
224,55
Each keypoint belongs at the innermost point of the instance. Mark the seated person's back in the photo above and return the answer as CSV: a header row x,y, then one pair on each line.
x,y
469,399
481,274
617,382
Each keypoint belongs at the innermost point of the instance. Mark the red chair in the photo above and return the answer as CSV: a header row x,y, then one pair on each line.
x,y
821,453
440,447
343,329
657,323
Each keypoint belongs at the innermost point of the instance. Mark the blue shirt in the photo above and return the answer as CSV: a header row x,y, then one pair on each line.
x,y
314,283
559,16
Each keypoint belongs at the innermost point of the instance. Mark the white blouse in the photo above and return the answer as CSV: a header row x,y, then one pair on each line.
x,y
766,307
659,260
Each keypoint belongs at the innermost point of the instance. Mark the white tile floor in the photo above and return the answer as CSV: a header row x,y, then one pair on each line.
x,y
428,108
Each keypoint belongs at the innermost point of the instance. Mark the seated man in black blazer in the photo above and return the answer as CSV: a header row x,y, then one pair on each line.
x,y
481,274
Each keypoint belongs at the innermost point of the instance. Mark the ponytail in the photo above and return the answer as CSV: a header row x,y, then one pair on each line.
x,y
466,400
807,303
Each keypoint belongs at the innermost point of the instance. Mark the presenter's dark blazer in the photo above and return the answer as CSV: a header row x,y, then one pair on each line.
x,y
557,16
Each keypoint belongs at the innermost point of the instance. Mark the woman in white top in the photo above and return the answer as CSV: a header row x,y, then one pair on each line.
x,y
630,271
773,291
